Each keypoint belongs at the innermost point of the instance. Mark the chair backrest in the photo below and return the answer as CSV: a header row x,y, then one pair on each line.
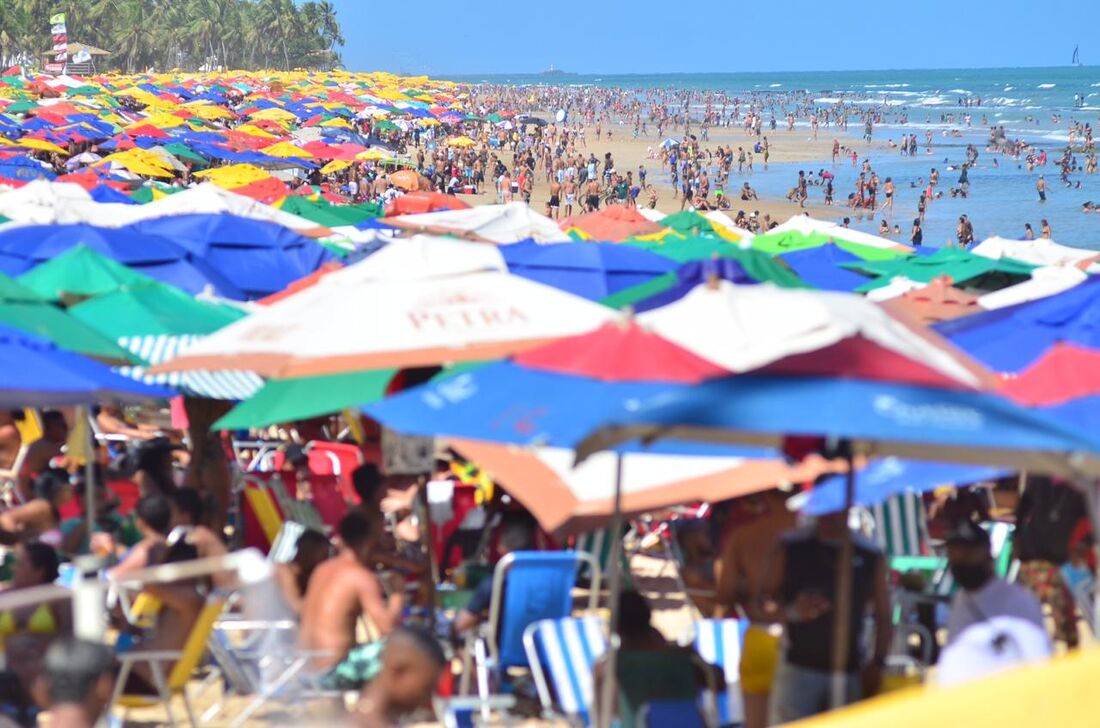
x,y
901,527
645,676
195,646
263,506
663,713
539,586
720,642
562,654
285,545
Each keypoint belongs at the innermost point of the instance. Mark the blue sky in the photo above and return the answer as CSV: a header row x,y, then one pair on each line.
x,y
646,36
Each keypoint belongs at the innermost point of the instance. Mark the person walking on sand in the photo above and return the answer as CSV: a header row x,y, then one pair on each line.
x,y
767,152
570,190
836,150
555,199
888,190
1041,188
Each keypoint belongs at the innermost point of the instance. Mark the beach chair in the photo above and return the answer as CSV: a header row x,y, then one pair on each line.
x,y
539,586
175,682
719,642
664,713
562,654
286,543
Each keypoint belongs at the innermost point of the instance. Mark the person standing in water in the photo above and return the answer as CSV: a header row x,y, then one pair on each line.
x,y
1041,188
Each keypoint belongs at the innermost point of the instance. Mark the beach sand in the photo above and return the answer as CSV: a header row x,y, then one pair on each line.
x,y
628,153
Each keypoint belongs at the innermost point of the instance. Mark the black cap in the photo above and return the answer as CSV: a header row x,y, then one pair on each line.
x,y
968,533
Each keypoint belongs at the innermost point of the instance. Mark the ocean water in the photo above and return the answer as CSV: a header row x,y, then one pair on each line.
x,y
1025,101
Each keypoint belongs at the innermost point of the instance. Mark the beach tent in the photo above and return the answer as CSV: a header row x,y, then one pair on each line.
x,y
819,266
1044,282
424,317
1009,339
589,270
508,223
935,302
957,264
1040,252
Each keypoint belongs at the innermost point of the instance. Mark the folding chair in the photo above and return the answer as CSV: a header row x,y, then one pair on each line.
x,y
539,586
562,654
719,642
175,683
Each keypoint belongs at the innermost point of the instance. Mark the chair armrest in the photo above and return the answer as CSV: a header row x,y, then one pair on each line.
x,y
150,656
248,625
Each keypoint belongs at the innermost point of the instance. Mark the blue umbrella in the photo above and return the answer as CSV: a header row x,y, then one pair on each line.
x,y
890,476
820,267
1009,339
35,372
689,276
24,247
590,270
256,257
879,418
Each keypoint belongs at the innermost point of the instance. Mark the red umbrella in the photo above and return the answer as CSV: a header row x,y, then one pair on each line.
x,y
419,201
1064,372
267,190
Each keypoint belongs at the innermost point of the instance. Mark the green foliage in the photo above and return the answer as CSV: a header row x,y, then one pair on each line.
x,y
185,34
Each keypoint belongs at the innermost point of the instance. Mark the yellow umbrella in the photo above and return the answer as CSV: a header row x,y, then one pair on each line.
x,y
208,111
256,131
274,114
335,165
462,141
41,145
336,122
233,176
1059,693
286,149
373,154
138,161
160,121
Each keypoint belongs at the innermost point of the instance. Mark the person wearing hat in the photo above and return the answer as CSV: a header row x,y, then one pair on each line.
x,y
982,595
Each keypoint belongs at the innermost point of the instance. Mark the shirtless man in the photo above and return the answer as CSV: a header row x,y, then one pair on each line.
x,y
570,189
55,431
340,591
411,666
555,199
592,190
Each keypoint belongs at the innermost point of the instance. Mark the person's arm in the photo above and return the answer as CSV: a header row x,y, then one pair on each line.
x,y
178,597
288,587
137,559
384,613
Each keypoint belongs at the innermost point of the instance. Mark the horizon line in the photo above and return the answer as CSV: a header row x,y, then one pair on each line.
x,y
563,72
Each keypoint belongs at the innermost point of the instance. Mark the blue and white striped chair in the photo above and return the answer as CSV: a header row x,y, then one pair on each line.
x,y
719,642
562,654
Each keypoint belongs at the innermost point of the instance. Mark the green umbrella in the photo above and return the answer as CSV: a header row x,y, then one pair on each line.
x,y
25,310
153,309
80,272
688,222
286,400
495,118
959,265
184,153
386,125
777,243
21,107
144,194
329,215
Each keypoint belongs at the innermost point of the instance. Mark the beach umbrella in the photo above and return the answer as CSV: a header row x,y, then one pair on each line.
x,y
1009,339
1064,372
421,201
452,307
509,223
698,247
744,267
891,476
23,309
80,272
590,270
405,179
669,143
289,400
325,213
36,372
1040,252
789,241
807,225
955,263
689,223
153,309
1044,282
613,222
935,302
1061,691
819,266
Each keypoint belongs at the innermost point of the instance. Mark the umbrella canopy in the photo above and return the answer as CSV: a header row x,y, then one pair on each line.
x,y
421,201
153,309
590,270
1064,372
819,266
955,263
1040,252
1044,282
1061,692
37,372
288,400
880,419
406,179
80,272
683,250
938,301
891,476
807,225
761,325
1009,339
614,222
414,321
781,242
508,223
565,497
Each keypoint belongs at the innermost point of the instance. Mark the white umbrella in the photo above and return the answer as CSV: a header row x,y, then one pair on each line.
x,y
1043,282
1038,252
354,320
743,328
508,223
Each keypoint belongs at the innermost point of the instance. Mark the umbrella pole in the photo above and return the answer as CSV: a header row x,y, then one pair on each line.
x,y
843,597
614,580
89,479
